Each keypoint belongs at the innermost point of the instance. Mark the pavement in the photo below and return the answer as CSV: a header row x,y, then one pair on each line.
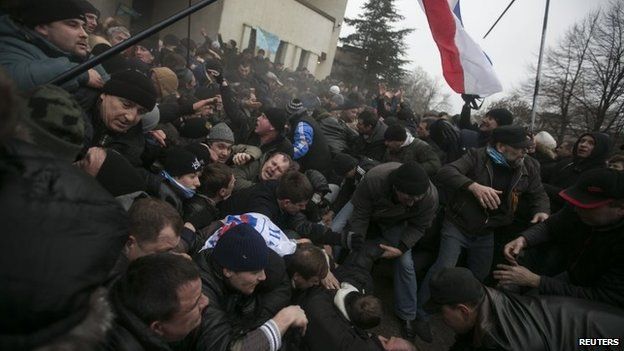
x,y
443,337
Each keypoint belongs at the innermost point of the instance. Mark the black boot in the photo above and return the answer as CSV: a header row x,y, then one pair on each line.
x,y
423,330
407,329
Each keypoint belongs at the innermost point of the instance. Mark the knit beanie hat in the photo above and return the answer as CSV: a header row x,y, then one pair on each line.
x,y
118,176
395,132
134,86
185,75
310,101
88,7
200,151
179,162
194,127
152,44
343,163
241,249
171,40
36,12
214,65
410,178
295,106
55,121
166,80
277,117
334,89
221,132
502,116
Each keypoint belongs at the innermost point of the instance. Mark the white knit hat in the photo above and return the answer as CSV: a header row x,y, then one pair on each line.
x,y
334,89
545,139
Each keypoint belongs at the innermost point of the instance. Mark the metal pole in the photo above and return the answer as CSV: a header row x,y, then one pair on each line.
x,y
90,63
188,37
499,18
539,66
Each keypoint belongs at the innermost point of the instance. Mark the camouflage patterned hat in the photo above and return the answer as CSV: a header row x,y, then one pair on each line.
x,y
55,121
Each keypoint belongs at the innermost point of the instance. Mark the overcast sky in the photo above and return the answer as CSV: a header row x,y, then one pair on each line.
x,y
512,46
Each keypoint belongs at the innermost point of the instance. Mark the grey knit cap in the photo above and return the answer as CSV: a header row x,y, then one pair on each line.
x,y
221,132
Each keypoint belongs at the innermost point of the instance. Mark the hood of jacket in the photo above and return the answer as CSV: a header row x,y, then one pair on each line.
x,y
599,153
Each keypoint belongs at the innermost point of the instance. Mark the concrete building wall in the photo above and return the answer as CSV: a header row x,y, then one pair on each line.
x,y
208,18
336,9
305,25
292,21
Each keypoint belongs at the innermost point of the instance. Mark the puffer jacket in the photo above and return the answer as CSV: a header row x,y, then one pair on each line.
x,y
523,323
231,318
374,202
31,60
465,211
61,236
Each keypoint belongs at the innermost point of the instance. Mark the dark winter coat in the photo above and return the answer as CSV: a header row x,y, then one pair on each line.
x,y
418,151
61,236
231,317
595,263
328,329
130,144
526,323
31,60
465,211
340,137
261,198
567,171
374,145
374,203
348,186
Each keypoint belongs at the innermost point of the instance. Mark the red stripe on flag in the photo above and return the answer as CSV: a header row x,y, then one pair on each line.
x,y
442,23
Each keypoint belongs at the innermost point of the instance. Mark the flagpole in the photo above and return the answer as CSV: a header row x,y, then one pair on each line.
x,y
539,66
188,37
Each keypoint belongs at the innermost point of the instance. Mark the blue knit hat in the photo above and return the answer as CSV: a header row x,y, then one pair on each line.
x,y
241,249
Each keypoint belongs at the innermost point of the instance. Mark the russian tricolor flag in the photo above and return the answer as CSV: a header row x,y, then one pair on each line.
x,y
466,68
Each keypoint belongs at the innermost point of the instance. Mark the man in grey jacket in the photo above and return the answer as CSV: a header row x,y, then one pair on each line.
x,y
399,202
45,40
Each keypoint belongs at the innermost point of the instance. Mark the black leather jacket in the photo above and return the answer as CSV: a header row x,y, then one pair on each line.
x,y
523,323
232,317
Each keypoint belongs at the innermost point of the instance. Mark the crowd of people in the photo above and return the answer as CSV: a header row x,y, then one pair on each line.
x,y
185,196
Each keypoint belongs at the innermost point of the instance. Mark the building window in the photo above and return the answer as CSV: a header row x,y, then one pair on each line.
x,y
303,59
280,55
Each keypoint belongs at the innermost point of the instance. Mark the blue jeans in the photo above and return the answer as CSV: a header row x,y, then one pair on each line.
x,y
342,217
405,285
452,240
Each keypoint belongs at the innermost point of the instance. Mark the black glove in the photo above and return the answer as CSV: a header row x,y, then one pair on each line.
x,y
352,240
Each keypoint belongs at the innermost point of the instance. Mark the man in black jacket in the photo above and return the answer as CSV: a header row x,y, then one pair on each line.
x,y
249,291
484,187
115,121
283,201
159,300
487,319
589,232
371,142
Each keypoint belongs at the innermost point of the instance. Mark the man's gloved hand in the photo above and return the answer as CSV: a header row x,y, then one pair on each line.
x,y
352,240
